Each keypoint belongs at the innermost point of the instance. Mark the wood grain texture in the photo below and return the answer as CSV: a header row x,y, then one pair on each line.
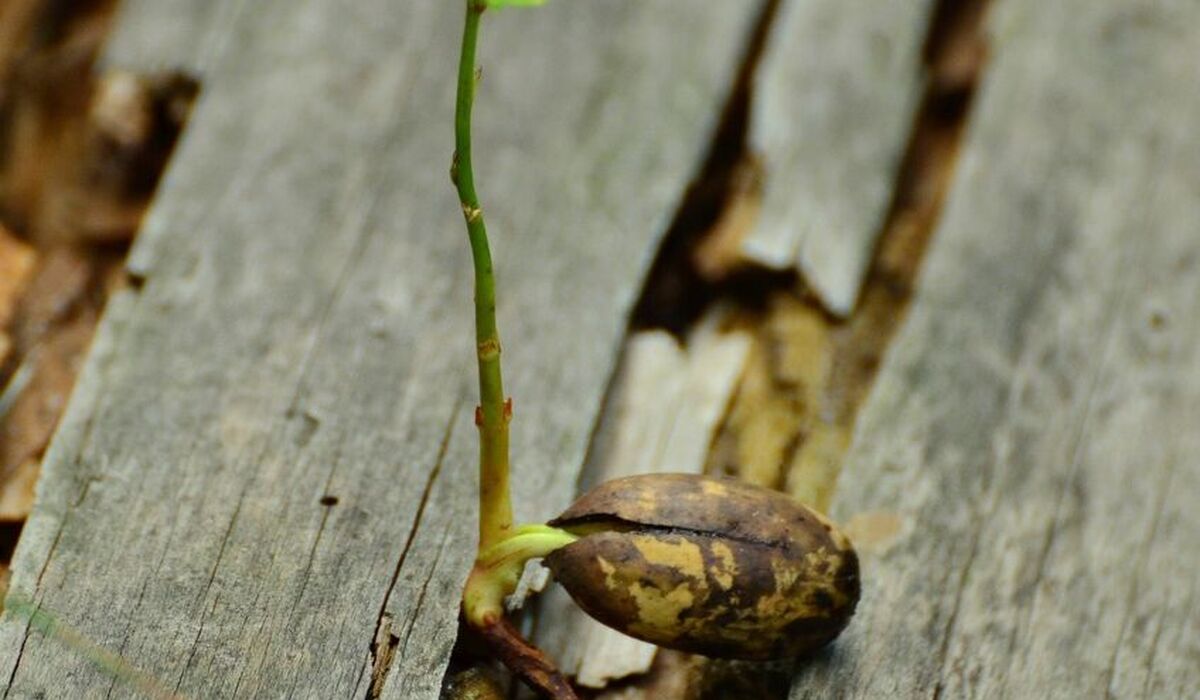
x,y
268,465
835,98
1034,426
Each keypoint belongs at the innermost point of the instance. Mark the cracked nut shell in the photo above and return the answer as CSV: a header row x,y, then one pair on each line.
x,y
710,566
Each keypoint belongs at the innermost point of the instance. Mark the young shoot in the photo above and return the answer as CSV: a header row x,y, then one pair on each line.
x,y
763,577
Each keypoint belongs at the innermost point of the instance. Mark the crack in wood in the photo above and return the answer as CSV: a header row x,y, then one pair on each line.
x,y
41,574
891,281
383,648
833,362
675,294
421,596
212,576
129,622
182,266
314,338
1026,286
752,287
379,668
953,54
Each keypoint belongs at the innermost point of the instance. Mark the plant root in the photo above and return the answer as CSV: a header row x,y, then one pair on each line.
x,y
524,659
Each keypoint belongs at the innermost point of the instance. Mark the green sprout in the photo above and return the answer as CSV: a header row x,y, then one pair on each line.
x,y
503,548
612,550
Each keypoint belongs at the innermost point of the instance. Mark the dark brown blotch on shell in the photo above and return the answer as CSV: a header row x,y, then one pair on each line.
x,y
711,566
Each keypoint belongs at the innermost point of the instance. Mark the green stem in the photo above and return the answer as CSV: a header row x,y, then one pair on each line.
x,y
499,567
495,503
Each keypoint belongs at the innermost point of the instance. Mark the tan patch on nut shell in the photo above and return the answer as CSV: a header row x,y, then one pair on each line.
x,y
724,569
678,553
715,567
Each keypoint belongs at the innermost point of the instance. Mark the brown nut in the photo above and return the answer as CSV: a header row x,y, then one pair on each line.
x,y
711,566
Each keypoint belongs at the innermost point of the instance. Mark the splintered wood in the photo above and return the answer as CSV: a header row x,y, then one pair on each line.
x,y
835,100
1034,423
661,415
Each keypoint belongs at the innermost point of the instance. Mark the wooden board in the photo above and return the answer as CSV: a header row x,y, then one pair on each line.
x,y
1034,428
156,35
835,98
268,464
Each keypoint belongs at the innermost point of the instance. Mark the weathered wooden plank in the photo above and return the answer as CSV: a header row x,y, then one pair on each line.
x,y
154,35
590,198
835,97
1034,426
271,453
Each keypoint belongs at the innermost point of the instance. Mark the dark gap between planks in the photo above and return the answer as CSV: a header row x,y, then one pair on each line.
x,y
66,36
677,293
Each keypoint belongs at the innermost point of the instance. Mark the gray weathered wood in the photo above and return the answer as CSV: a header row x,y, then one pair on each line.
x,y
1035,425
154,35
835,98
303,334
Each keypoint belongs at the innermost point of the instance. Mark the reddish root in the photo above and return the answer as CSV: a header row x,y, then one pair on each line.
x,y
524,659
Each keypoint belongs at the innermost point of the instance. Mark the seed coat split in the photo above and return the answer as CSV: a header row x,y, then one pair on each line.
x,y
711,566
